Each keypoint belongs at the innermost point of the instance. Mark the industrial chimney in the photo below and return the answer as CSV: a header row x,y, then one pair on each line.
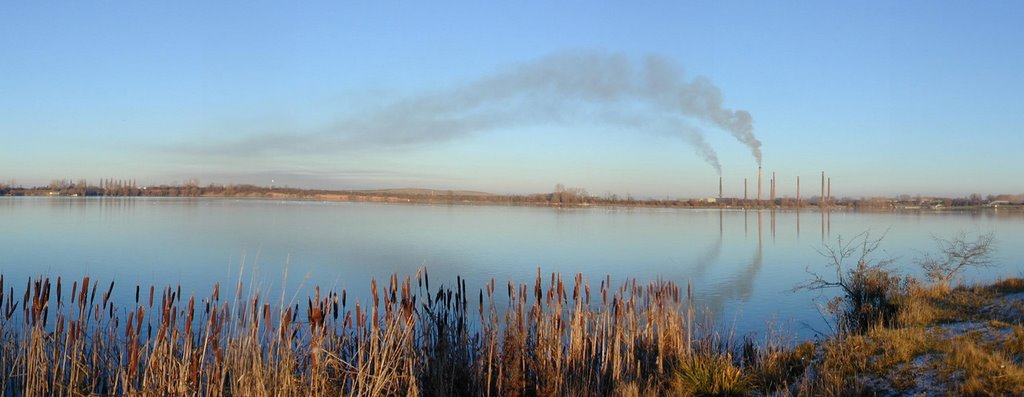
x,y
798,192
758,185
821,202
829,193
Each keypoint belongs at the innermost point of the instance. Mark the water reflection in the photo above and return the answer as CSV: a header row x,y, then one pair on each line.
x,y
740,285
196,242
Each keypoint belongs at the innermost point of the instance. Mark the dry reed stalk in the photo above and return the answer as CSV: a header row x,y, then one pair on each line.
x,y
413,341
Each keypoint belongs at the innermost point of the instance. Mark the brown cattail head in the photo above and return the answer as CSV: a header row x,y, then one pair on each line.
x,y
106,295
85,290
373,289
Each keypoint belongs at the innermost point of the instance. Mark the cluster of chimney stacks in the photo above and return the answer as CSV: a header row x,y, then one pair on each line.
x,y
826,189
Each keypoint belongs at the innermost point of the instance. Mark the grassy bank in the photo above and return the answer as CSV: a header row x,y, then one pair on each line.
x,y
552,337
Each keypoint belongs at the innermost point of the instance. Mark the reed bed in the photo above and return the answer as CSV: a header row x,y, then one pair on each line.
x,y
554,337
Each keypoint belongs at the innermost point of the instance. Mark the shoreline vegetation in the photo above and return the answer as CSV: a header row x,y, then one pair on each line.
x,y
561,196
891,336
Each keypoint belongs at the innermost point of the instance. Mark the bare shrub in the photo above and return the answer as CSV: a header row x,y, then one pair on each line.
x,y
955,255
869,289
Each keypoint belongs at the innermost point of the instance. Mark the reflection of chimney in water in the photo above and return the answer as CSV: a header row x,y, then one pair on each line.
x,y
822,224
798,225
758,230
745,222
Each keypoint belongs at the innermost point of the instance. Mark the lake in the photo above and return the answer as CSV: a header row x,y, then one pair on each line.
x,y
743,264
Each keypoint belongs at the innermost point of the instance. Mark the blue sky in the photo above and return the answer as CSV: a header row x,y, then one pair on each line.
x,y
886,97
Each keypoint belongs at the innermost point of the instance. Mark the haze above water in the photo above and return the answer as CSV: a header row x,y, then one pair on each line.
x,y
742,264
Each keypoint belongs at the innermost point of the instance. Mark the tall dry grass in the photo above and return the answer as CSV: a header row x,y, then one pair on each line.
x,y
554,337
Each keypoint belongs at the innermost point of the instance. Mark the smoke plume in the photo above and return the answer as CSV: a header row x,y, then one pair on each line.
x,y
577,87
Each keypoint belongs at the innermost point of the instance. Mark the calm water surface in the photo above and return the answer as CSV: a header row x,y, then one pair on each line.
x,y
742,264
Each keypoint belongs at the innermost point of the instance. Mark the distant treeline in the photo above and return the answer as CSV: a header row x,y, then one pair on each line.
x,y
561,196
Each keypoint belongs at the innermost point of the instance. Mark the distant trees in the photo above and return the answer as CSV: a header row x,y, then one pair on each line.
x,y
119,187
568,195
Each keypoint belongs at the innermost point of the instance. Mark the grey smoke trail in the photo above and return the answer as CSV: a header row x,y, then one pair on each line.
x,y
698,98
575,87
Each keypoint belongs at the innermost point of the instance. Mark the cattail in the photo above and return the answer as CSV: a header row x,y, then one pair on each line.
x,y
110,290
266,314
285,321
82,294
373,289
28,289
191,311
92,296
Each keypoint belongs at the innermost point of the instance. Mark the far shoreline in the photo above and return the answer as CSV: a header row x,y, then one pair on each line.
x,y
385,197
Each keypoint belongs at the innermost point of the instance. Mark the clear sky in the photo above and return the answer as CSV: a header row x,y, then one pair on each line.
x,y
886,97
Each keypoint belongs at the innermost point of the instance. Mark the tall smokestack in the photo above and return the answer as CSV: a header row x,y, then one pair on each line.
x,y
829,193
719,188
821,202
744,189
758,185
773,187
798,197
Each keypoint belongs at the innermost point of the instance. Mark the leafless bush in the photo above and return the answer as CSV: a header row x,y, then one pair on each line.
x,y
955,255
868,286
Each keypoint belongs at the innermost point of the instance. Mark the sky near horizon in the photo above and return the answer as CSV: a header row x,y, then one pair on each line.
x,y
887,98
